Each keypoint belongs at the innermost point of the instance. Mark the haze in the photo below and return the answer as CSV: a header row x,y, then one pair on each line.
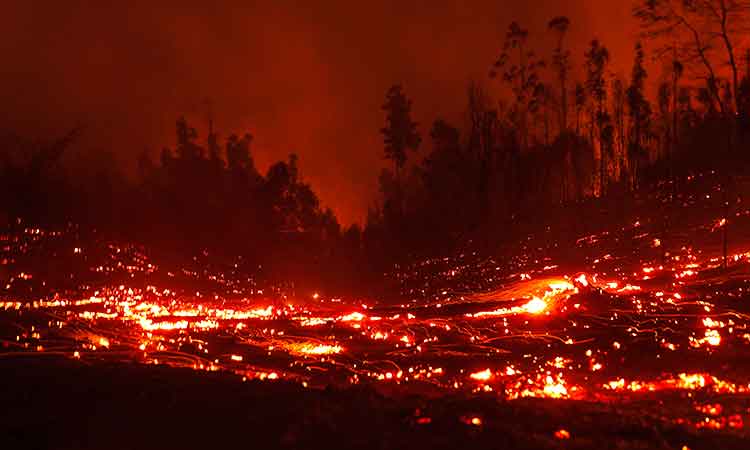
x,y
304,77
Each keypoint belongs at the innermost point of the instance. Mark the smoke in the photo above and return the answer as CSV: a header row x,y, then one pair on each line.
x,y
305,78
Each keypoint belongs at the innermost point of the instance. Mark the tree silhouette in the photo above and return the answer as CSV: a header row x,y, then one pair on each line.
x,y
214,149
618,115
580,102
699,27
676,71
145,164
444,168
743,98
561,63
483,122
186,135
639,111
238,153
597,58
519,67
400,132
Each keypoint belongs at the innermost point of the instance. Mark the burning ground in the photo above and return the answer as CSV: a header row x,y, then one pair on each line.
x,y
601,340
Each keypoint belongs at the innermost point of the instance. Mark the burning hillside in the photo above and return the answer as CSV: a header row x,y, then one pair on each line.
x,y
669,334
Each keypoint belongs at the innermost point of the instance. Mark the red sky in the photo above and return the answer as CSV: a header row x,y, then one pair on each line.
x,y
304,77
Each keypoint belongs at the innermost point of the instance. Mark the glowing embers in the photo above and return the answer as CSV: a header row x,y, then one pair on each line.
x,y
353,317
712,337
484,375
158,317
562,434
341,341
547,380
472,420
683,381
311,348
312,321
713,416
536,305
549,386
230,314
150,325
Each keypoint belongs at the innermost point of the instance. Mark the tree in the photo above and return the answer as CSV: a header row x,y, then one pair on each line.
x,y
639,110
520,70
580,100
400,133
677,70
743,98
483,121
664,99
32,187
449,200
445,138
561,63
597,58
544,100
699,27
238,153
618,112
186,136
442,169
145,164
481,114
214,150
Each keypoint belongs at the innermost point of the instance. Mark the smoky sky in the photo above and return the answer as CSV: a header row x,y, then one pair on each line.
x,y
307,77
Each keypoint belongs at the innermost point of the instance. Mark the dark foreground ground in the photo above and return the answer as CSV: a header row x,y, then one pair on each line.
x,y
63,404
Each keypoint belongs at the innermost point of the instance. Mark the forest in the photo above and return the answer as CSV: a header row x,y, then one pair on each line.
x,y
566,133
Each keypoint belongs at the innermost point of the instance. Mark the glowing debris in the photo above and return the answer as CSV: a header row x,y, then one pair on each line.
x,y
562,434
535,306
484,375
